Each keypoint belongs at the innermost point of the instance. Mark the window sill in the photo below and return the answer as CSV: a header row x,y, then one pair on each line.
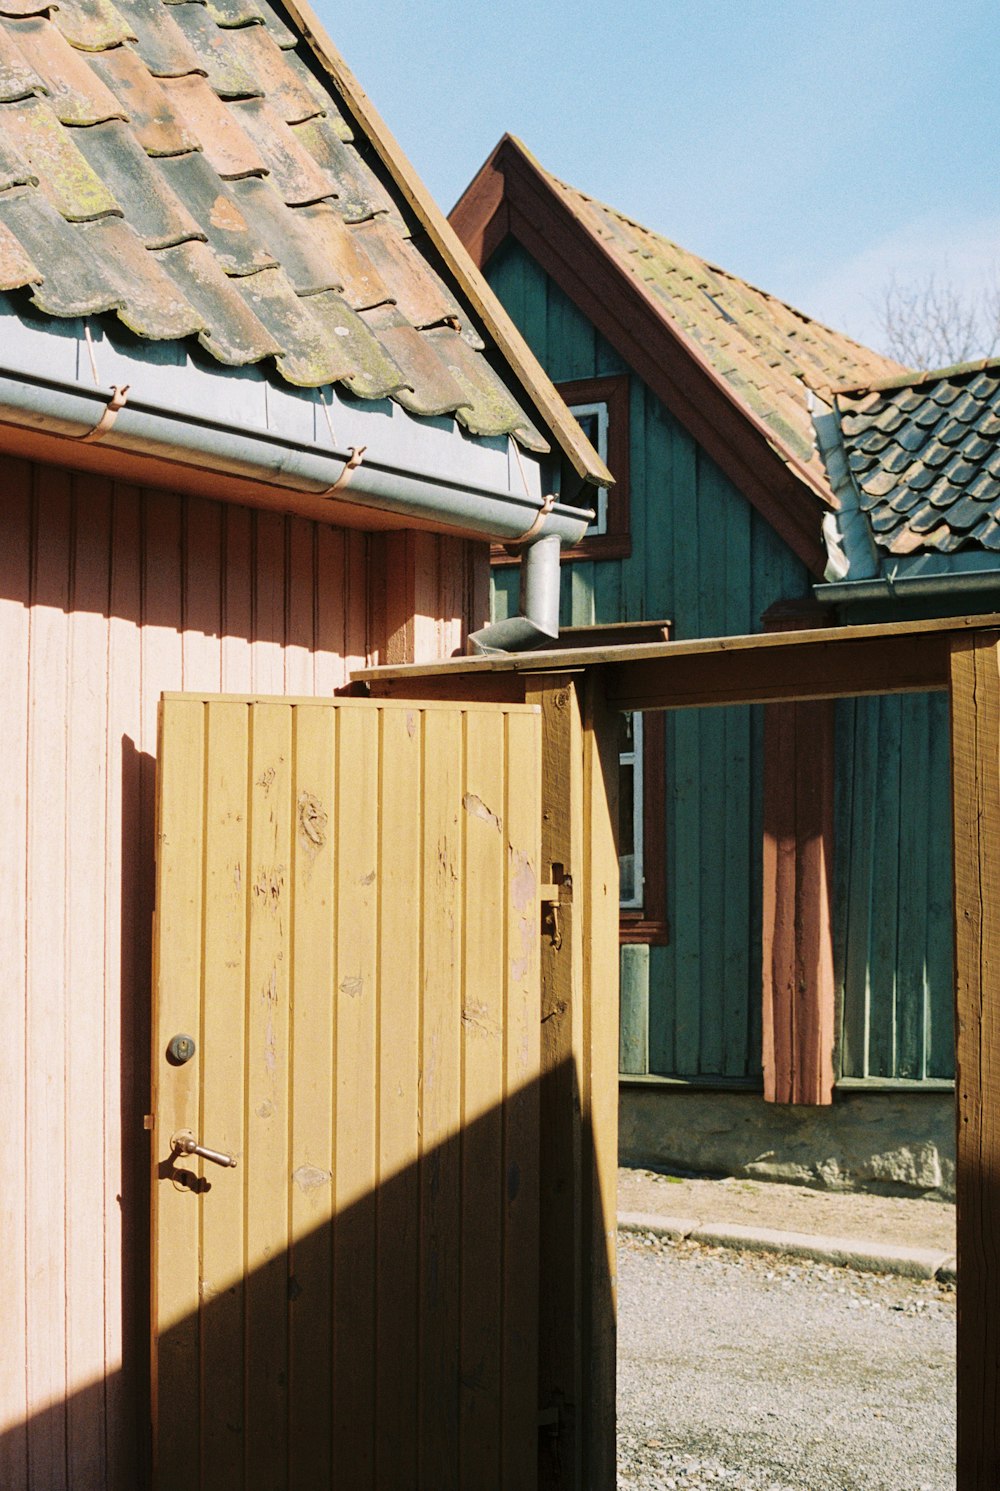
x,y
635,927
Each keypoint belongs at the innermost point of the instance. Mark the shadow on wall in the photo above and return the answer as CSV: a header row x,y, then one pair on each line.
x,y
395,1346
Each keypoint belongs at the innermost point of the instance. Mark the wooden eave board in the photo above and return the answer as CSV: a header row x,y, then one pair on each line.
x,y
827,662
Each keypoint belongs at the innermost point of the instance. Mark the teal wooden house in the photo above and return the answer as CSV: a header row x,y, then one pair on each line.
x,y
786,871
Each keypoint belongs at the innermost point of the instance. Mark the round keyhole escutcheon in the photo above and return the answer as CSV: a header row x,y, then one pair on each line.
x,y
180,1049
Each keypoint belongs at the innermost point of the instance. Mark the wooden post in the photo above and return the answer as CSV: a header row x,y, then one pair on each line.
x,y
799,1007
579,1118
561,1247
798,985
975,744
600,1095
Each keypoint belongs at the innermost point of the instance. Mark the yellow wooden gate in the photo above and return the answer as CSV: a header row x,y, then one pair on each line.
x,y
346,1004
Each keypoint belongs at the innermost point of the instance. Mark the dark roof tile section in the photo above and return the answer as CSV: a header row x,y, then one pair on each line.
x,y
925,457
771,354
181,165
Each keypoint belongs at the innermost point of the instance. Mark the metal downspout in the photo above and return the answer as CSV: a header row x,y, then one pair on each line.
x,y
538,623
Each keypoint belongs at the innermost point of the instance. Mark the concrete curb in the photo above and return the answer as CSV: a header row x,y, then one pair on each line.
x,y
845,1252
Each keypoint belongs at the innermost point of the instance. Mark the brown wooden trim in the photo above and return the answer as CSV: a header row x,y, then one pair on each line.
x,y
975,744
649,924
597,546
626,313
797,935
616,541
615,633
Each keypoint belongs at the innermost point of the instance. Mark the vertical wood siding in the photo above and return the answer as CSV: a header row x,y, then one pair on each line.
x,y
893,934
110,595
703,557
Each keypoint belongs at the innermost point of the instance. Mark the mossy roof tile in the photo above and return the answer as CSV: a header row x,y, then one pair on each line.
x,y
182,165
137,184
147,104
50,151
74,90
940,471
18,79
92,25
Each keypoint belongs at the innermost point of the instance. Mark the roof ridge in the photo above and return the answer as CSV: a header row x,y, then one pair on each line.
x,y
924,375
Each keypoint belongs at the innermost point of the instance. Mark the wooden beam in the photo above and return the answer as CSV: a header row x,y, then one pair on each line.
x,y
975,738
798,984
815,663
829,669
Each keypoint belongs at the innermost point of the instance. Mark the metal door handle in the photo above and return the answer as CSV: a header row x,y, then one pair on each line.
x,y
184,1142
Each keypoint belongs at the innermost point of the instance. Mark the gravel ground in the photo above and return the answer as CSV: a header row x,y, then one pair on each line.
x,y
758,1373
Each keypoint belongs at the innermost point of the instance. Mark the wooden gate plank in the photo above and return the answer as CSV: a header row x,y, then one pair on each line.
x,y
177,984
482,1095
314,865
975,726
266,1055
400,1002
441,1057
220,1067
522,817
355,1142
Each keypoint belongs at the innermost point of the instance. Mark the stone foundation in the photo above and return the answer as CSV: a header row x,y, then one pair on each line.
x,y
895,1144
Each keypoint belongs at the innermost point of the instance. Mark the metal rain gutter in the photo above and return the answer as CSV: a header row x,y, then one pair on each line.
x,y
63,408
842,592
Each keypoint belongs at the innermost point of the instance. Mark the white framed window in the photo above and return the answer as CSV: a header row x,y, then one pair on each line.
x,y
593,419
630,812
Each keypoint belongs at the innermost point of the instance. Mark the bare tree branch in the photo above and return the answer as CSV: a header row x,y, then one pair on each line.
x,y
929,323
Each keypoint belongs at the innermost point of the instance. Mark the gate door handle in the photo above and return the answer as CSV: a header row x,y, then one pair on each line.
x,y
184,1142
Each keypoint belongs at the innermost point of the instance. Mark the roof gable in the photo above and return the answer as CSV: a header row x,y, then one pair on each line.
x,y
741,369
197,171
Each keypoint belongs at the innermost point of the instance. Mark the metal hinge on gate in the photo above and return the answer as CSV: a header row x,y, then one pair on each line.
x,y
552,894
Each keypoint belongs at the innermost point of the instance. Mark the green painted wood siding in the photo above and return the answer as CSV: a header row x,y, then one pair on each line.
x,y
893,905
702,557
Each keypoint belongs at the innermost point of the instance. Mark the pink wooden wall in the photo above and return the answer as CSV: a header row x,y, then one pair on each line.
x,y
109,595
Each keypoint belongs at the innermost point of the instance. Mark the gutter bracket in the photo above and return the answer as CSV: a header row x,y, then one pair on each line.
x,y
118,399
529,533
352,463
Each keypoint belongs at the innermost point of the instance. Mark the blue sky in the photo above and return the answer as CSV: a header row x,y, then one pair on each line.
x,y
814,148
